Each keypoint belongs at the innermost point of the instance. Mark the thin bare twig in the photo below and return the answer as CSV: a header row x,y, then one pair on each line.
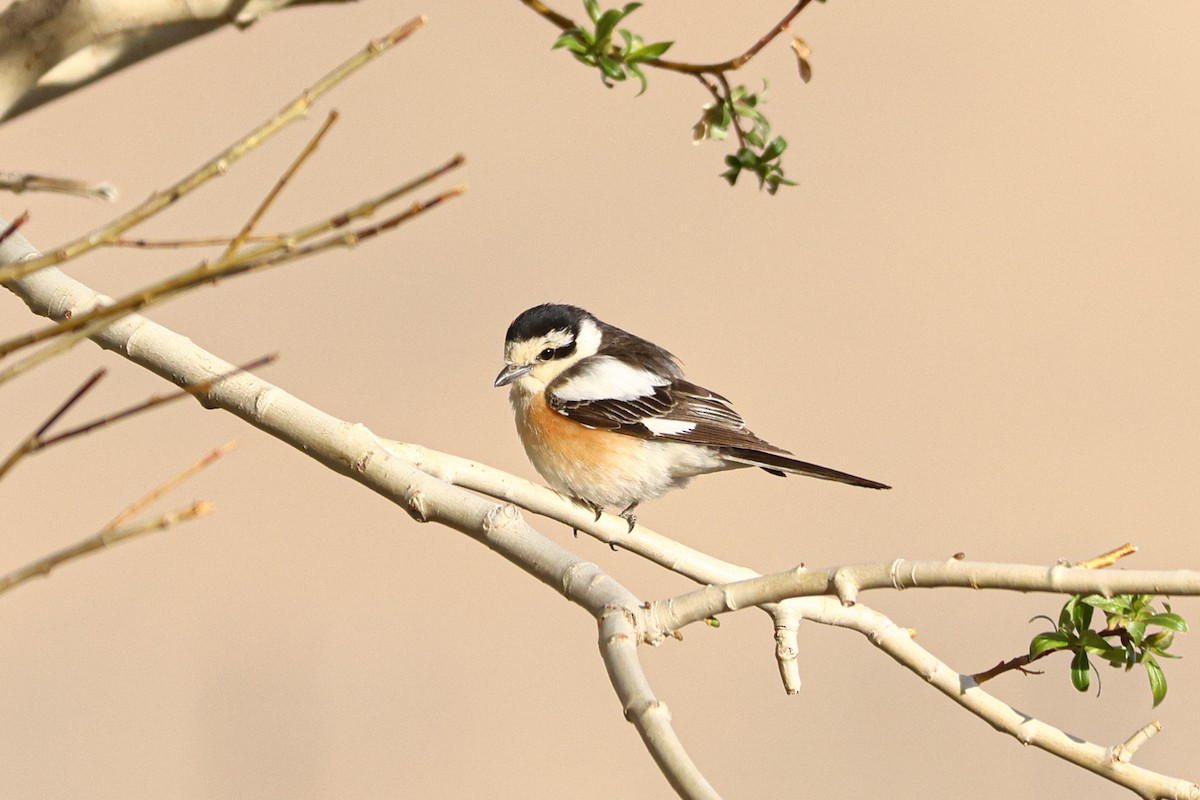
x,y
144,502
32,441
296,109
251,259
153,402
308,150
737,62
99,541
53,349
733,115
13,226
17,182
201,241
1109,558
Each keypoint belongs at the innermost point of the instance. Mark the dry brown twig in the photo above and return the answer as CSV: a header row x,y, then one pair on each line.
x,y
295,110
269,254
39,440
112,534
18,182
237,258
101,540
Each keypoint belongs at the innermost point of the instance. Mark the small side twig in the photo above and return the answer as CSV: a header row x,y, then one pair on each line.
x,y
1019,664
252,259
199,241
101,540
1123,752
564,22
13,226
152,402
283,181
1109,558
17,182
33,441
218,165
139,505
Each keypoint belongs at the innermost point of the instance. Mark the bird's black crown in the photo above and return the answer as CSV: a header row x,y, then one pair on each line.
x,y
540,320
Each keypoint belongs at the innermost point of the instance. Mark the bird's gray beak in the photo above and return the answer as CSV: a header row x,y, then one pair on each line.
x,y
511,372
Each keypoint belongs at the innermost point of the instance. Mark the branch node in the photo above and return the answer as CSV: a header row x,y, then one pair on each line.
x,y
846,588
414,504
1123,753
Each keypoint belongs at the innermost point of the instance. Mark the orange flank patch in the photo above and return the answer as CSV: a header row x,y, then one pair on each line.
x,y
564,439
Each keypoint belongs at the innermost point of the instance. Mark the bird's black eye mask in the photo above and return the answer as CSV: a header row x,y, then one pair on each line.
x,y
552,353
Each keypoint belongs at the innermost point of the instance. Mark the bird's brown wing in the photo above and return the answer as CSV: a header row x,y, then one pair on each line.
x,y
676,410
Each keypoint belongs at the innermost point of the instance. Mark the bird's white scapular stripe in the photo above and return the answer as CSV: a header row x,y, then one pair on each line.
x,y
667,427
606,378
588,340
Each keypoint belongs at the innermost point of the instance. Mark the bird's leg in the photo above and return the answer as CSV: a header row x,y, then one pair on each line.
x,y
629,516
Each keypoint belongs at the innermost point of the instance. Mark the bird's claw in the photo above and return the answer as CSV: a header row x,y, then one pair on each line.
x,y
629,516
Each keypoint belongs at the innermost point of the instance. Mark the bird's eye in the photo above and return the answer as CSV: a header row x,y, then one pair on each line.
x,y
546,354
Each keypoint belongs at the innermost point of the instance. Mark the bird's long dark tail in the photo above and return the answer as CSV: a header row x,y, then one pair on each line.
x,y
777,464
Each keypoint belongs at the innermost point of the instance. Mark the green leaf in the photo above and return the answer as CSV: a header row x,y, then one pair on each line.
x,y
607,23
1046,641
1111,605
650,51
637,73
1160,642
1065,625
746,158
774,149
611,68
1158,681
1136,630
593,9
1080,678
570,41
1081,615
1172,621
1094,643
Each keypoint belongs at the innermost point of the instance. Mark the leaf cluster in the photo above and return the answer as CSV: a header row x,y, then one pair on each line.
x,y
759,153
1127,638
596,48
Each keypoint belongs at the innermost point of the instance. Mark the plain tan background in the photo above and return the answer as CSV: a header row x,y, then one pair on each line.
x,y
984,291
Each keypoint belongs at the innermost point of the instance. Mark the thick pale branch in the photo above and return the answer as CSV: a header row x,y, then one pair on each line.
x,y
898,643
354,451
51,47
894,640
846,582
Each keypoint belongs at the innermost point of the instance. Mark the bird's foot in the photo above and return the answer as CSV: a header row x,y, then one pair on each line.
x,y
629,516
595,508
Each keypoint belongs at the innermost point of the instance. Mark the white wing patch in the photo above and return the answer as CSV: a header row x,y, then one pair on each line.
x,y
667,427
606,378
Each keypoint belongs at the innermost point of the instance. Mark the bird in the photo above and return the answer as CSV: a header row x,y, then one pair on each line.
x,y
608,419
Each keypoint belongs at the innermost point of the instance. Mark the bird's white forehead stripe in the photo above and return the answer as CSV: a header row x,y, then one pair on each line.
x,y
606,378
667,427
